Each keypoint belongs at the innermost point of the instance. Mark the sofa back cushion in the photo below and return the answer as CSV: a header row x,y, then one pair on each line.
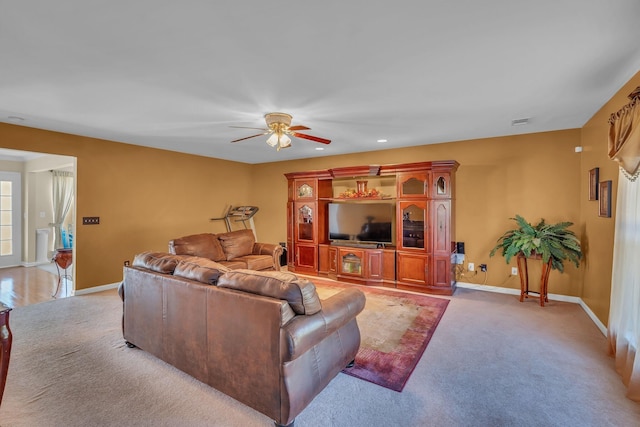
x,y
200,269
204,245
298,292
237,243
160,262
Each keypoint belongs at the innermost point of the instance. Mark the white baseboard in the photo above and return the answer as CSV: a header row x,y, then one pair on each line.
x,y
97,289
555,297
34,264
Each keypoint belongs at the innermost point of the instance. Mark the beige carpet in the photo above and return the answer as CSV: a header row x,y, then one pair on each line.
x,y
493,361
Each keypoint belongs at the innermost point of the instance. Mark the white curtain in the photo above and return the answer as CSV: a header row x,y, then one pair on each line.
x,y
62,198
624,315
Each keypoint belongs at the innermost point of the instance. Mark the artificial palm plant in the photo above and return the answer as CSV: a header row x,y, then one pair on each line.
x,y
550,241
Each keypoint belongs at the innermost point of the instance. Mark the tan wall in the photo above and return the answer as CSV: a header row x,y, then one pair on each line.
x,y
143,196
537,176
599,231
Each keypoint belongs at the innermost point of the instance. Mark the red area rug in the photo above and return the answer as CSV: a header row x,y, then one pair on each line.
x,y
395,328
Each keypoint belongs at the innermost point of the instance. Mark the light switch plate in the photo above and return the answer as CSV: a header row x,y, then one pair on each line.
x,y
90,220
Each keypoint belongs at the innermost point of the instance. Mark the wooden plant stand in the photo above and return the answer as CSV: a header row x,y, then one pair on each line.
x,y
523,272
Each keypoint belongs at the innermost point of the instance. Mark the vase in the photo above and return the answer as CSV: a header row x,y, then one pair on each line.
x,y
362,187
63,257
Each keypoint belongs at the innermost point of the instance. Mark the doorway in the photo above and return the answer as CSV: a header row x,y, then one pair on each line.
x,y
27,219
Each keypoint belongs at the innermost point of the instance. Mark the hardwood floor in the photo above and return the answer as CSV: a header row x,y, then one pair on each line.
x,y
20,286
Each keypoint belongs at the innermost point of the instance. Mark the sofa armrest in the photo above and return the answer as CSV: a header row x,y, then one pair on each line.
x,y
303,332
269,249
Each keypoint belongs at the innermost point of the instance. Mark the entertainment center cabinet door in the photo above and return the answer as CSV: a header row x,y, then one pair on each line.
x,y
351,262
442,246
306,258
374,265
305,237
327,260
412,185
413,270
412,225
305,189
442,185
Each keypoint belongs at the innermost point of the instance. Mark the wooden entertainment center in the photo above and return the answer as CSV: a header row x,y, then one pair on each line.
x,y
420,256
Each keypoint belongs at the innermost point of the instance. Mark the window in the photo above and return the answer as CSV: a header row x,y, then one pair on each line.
x,y
6,218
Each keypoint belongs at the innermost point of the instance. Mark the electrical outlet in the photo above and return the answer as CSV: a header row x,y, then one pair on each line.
x,y
514,271
471,266
483,267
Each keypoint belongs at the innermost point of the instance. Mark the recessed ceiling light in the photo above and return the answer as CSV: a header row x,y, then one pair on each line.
x,y
319,148
15,119
520,122
382,140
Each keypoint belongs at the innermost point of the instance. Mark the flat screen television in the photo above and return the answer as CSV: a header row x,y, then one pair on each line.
x,y
367,222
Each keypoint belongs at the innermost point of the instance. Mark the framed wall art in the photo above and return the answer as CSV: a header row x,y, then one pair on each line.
x,y
604,207
593,183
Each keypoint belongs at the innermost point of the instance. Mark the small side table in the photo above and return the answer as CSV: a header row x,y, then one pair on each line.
x,y
5,346
523,272
63,259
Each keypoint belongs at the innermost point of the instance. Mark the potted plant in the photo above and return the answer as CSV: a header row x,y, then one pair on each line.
x,y
549,241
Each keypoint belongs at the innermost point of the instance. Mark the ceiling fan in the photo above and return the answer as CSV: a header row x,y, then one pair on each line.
x,y
279,126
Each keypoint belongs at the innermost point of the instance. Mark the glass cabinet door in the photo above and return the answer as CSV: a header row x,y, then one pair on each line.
x,y
413,225
441,185
305,189
351,264
412,185
304,221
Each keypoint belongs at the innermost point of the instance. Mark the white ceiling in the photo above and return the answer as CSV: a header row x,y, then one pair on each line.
x,y
176,75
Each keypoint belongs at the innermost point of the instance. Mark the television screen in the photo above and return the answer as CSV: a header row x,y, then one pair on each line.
x,y
362,222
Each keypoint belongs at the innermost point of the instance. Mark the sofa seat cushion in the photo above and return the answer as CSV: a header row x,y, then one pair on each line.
x,y
237,243
200,269
298,292
234,264
204,245
256,262
160,262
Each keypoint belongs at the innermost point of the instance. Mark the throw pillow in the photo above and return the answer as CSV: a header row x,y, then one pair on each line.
x,y
237,243
159,262
204,245
200,269
298,292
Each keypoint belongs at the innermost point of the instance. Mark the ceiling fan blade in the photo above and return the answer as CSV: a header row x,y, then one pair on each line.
x,y
252,136
246,127
312,138
299,127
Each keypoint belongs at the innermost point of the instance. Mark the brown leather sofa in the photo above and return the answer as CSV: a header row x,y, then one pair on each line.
x,y
234,249
263,338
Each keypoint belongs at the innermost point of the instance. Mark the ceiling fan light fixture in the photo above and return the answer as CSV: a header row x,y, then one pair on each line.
x,y
284,141
273,140
279,128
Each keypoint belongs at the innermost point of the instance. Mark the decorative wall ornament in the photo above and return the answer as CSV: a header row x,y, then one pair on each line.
x,y
604,205
593,183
